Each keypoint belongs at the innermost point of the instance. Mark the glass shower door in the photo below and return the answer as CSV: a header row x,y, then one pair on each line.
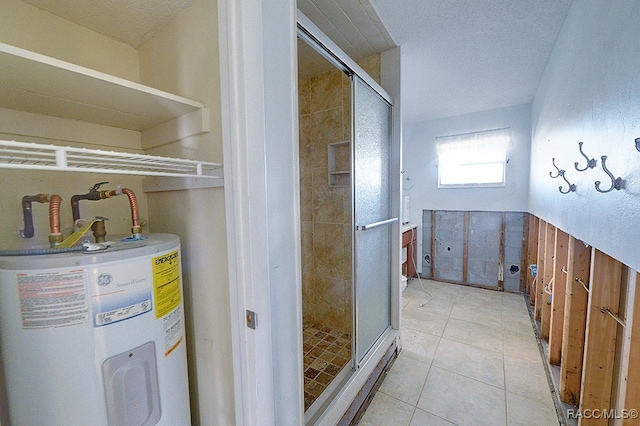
x,y
373,221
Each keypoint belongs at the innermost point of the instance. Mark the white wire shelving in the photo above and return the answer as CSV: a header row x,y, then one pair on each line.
x,y
33,156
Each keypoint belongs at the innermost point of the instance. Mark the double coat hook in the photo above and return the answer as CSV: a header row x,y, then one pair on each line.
x,y
616,183
560,172
591,163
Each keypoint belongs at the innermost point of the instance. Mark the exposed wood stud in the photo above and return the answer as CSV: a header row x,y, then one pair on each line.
x,y
600,341
501,250
632,394
465,249
433,244
540,274
547,272
575,318
532,255
524,255
558,299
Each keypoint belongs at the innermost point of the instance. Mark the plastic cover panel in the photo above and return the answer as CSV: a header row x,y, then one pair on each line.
x,y
131,387
372,204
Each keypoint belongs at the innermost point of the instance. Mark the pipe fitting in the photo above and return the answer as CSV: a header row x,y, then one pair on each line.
x,y
99,231
55,236
27,214
55,239
94,195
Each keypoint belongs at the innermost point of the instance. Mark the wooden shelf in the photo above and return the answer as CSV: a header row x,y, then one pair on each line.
x,y
40,84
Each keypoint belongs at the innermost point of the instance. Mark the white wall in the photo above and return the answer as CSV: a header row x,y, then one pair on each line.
x,y
420,159
590,92
183,59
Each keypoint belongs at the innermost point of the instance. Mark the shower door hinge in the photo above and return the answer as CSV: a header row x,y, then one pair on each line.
x,y
252,319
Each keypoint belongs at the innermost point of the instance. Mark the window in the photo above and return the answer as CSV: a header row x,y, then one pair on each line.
x,y
473,159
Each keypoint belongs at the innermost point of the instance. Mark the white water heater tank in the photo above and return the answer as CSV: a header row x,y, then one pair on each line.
x,y
95,339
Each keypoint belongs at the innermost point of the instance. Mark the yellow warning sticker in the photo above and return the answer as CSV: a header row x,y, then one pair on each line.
x,y
166,283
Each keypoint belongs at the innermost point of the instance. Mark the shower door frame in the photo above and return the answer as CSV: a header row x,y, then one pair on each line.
x,y
364,367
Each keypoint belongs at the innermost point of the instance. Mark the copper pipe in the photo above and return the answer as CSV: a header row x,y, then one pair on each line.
x,y
54,213
94,195
54,219
133,204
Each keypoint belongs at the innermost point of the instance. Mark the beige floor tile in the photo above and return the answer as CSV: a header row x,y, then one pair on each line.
x,y
418,345
479,364
420,319
480,297
491,317
523,411
527,378
437,289
521,346
517,322
386,410
405,379
478,335
424,418
461,400
433,305
515,302
469,357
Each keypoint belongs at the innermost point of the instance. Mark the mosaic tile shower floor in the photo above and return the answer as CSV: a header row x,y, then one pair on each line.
x,y
326,352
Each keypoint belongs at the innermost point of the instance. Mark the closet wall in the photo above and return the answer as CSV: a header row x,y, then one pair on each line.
x,y
181,59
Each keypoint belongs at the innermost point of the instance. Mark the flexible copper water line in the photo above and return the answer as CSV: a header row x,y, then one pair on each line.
x,y
133,204
54,213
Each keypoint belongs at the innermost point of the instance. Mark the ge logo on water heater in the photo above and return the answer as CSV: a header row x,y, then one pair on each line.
x,y
104,279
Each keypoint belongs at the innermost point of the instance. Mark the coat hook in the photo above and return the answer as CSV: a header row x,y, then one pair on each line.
x,y
616,183
560,172
591,163
572,186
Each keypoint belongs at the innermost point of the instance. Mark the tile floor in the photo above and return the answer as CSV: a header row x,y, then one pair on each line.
x,y
326,352
469,357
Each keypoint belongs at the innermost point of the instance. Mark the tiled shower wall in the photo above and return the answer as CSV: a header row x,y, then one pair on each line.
x,y
325,111
483,247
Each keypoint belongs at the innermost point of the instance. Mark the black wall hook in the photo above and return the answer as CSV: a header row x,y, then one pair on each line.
x,y
572,186
559,173
591,163
616,183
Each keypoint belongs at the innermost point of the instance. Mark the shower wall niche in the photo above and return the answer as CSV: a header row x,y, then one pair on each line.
x,y
326,209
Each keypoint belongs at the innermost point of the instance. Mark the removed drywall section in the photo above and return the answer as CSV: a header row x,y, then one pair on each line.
x,y
478,248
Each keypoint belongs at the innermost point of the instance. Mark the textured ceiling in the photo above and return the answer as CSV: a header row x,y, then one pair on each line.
x,y
351,24
458,56
130,21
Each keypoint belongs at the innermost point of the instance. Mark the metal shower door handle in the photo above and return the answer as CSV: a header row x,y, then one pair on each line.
x,y
376,224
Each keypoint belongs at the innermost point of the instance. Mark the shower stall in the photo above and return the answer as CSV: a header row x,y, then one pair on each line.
x,y
349,171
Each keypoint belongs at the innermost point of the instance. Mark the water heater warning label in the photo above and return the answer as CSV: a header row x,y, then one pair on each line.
x,y
52,299
166,283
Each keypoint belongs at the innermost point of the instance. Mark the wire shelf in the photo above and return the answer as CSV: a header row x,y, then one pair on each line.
x,y
33,156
